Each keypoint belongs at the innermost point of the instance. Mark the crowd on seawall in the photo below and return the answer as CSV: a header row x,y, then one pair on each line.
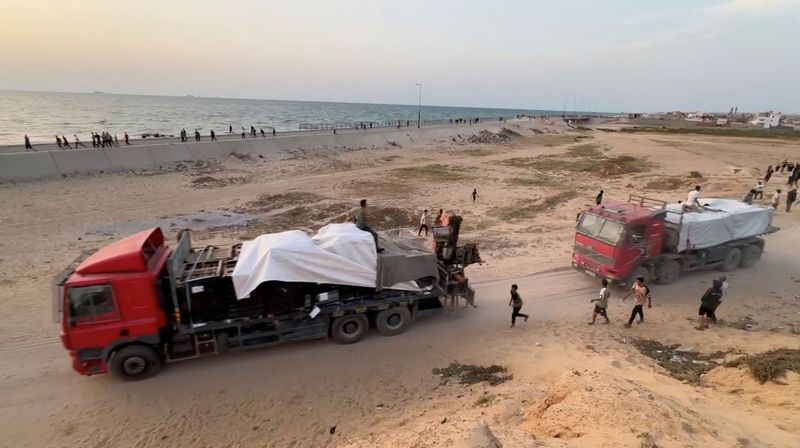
x,y
104,139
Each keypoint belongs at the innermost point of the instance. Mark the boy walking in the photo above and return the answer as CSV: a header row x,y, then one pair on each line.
x,y
641,295
602,303
516,304
423,223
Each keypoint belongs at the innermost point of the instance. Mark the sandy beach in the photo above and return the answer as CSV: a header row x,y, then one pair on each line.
x,y
572,385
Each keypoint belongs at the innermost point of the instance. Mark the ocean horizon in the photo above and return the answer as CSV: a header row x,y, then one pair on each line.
x,y
43,115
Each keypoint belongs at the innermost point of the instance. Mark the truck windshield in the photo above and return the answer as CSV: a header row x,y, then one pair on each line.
x,y
600,228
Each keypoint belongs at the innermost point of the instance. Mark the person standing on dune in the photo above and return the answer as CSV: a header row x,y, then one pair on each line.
x,y
474,194
599,199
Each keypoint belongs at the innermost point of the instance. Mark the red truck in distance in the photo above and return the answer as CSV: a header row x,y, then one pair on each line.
x,y
644,237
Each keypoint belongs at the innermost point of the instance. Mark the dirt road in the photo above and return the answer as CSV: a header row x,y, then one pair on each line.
x,y
573,384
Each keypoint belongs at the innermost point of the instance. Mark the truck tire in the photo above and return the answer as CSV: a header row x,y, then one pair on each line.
x,y
640,271
350,329
135,362
667,272
732,260
750,255
393,321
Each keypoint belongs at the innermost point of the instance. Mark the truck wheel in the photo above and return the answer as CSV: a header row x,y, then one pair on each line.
x,y
350,329
750,255
135,362
640,271
732,260
668,272
393,321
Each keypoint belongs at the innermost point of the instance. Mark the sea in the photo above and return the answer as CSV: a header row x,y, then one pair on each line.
x,y
42,115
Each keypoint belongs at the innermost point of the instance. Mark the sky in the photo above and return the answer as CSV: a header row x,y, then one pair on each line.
x,y
612,55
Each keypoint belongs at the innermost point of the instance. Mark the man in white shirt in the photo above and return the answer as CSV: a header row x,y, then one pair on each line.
x,y
602,303
759,191
692,203
423,223
776,199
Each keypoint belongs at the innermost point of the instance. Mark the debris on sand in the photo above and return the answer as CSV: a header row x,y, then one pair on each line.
x,y
488,137
468,374
680,362
769,366
218,182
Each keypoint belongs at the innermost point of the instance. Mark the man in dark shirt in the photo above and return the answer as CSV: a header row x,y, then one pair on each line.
x,y
361,223
708,303
516,304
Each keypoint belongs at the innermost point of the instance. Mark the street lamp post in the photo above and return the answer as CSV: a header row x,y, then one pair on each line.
x,y
419,107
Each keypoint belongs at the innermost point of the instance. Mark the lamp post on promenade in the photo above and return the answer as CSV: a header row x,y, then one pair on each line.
x,y
419,107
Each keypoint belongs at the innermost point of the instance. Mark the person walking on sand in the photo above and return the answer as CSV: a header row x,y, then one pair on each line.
x,y
776,199
423,223
516,304
599,199
230,129
768,175
474,194
273,132
263,134
116,141
197,135
58,141
28,146
252,131
641,295
78,142
791,198
213,136
65,141
602,303
127,139
708,303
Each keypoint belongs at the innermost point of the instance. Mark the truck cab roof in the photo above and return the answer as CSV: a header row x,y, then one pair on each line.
x,y
131,254
626,212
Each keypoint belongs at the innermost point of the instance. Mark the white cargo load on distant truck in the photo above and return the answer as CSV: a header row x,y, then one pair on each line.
x,y
721,220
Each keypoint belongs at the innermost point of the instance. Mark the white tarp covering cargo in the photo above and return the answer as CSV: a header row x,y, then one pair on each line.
x,y
340,254
722,220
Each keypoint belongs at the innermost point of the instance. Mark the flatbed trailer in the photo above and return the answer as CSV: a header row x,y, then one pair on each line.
x,y
183,281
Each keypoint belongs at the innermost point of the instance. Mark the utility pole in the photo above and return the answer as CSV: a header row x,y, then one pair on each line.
x,y
419,107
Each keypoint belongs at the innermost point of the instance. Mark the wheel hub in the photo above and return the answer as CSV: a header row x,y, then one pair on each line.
x,y
134,365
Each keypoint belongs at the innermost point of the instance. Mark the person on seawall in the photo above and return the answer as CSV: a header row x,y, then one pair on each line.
x,y
213,136
58,141
28,146
127,139
65,141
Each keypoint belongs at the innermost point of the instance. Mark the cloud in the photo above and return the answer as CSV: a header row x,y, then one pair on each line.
x,y
752,6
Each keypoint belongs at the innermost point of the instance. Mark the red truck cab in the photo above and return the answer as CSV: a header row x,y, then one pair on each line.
x,y
110,298
613,240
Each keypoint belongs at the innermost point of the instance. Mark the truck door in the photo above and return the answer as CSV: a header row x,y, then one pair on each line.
x,y
633,248
91,316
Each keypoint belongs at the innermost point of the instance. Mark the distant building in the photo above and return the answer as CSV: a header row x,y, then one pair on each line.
x,y
767,119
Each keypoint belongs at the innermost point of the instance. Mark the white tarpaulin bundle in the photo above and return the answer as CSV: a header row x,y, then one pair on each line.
x,y
340,254
721,220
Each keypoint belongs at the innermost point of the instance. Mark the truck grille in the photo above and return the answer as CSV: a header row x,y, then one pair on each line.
x,y
594,256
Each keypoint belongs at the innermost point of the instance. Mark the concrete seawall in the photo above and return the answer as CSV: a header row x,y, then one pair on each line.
x,y
47,164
